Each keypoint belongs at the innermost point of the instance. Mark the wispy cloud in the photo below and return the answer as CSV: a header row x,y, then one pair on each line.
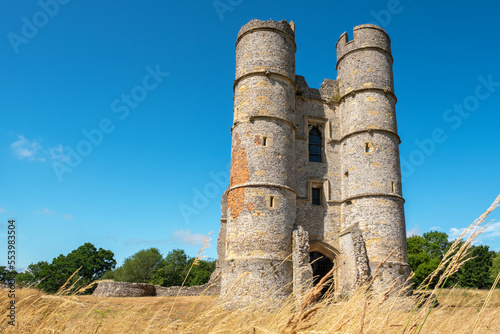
x,y
32,150
414,231
435,228
133,241
27,149
44,211
491,230
66,216
188,237
2,209
57,153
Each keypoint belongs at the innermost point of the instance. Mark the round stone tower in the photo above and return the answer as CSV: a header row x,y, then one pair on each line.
x,y
372,202
261,198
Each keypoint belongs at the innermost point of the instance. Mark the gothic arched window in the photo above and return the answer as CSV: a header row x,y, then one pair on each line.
x,y
315,145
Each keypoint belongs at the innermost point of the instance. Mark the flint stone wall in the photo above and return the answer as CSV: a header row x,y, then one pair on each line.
x,y
125,289
208,289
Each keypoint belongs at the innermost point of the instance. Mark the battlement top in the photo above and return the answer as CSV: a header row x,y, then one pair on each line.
x,y
364,36
283,26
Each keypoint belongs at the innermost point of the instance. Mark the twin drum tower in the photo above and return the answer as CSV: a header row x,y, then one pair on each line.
x,y
314,172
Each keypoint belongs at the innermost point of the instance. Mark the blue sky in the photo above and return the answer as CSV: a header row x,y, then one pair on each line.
x,y
150,83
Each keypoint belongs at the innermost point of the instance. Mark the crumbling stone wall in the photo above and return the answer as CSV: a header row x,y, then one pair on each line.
x,y
302,270
360,257
125,289
207,289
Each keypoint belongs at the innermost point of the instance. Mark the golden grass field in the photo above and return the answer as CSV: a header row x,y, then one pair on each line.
x,y
459,310
39,312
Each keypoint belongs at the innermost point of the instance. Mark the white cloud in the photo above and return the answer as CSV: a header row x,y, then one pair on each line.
x,y
491,231
26,149
45,211
57,153
188,237
66,216
435,228
456,232
32,150
414,231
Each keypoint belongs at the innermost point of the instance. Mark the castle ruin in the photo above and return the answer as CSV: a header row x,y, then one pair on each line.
x,y
315,173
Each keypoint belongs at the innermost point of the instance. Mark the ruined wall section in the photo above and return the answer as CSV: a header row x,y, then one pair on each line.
x,y
302,270
215,278
261,196
123,289
371,178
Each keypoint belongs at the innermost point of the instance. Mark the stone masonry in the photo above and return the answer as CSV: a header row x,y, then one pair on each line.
x,y
313,166
124,289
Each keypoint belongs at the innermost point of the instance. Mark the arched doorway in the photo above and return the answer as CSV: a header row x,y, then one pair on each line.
x,y
321,265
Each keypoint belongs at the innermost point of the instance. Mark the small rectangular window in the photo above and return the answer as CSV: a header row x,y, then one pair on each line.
x,y
393,187
271,201
264,141
316,196
367,148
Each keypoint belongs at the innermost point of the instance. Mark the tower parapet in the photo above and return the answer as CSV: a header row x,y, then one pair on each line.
x,y
368,39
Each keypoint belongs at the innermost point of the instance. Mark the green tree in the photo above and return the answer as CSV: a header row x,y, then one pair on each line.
x,y
425,253
200,273
93,263
34,273
148,266
6,274
3,274
475,273
495,268
436,244
115,275
140,267
173,270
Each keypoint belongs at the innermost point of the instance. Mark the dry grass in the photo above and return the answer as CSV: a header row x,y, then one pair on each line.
x,y
38,312
459,310
42,313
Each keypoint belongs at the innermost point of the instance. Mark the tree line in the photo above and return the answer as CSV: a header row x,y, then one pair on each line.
x,y
86,264
426,252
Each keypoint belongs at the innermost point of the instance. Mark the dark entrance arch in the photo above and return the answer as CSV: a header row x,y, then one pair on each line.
x,y
321,265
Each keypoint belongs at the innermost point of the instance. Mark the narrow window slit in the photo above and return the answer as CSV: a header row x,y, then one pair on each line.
x,y
316,196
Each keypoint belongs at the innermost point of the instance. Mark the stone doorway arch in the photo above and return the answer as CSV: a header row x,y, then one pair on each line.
x,y
323,258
